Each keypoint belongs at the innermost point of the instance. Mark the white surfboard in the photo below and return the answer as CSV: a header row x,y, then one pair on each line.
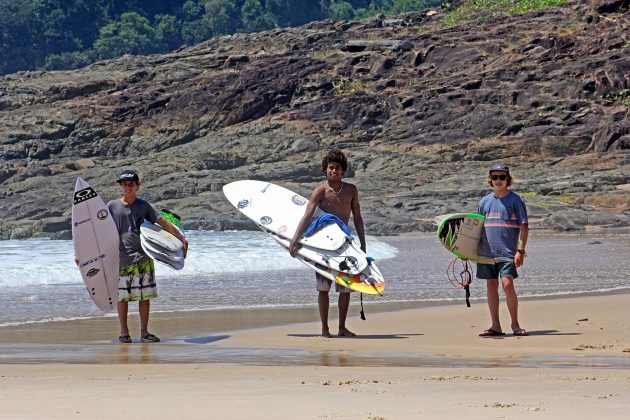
x,y
161,245
154,233
369,280
348,258
459,233
161,255
95,245
148,246
280,210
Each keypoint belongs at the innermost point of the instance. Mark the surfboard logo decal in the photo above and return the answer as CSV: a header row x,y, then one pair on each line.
x,y
282,229
265,220
80,222
100,257
298,200
92,272
102,214
83,195
242,204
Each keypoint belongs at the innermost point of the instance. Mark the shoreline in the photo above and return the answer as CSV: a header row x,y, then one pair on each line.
x,y
413,363
264,316
586,328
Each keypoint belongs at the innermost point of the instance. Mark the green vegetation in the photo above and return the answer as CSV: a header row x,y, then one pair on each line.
x,y
67,34
345,87
486,9
528,194
622,96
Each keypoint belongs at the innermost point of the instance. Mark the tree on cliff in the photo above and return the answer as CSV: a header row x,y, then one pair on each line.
x,y
66,34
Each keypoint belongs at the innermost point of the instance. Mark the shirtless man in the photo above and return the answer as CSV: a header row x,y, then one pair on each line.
x,y
342,200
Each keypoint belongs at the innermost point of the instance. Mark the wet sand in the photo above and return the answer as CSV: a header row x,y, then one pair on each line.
x,y
412,363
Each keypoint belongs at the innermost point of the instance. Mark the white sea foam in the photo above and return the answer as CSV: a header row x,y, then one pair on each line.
x,y
46,262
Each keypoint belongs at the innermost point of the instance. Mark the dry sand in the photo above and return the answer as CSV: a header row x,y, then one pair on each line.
x,y
417,363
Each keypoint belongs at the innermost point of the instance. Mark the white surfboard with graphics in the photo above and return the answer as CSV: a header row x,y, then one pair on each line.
x,y
280,210
460,233
369,280
95,245
155,250
154,233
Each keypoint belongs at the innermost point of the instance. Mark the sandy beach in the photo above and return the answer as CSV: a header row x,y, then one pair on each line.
x,y
425,362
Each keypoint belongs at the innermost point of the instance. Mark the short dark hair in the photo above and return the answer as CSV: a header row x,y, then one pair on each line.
x,y
335,155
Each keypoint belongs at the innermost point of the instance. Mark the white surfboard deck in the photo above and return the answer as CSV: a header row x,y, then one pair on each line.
x,y
156,234
348,258
95,240
280,210
459,233
175,256
152,237
369,280
160,257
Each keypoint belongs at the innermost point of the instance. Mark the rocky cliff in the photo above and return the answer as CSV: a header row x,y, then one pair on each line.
x,y
421,108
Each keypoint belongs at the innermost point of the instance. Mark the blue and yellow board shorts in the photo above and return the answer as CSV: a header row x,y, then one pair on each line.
x,y
137,282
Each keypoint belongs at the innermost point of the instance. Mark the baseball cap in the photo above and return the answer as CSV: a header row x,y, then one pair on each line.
x,y
128,175
499,167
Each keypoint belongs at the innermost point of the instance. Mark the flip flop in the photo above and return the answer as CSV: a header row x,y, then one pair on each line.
x,y
491,333
326,334
150,338
520,333
125,339
346,333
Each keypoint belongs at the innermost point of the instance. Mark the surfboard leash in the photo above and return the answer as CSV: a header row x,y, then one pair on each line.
x,y
463,279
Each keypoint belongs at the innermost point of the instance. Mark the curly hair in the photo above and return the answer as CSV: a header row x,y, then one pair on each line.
x,y
335,155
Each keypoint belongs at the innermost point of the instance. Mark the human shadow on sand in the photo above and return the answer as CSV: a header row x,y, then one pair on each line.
x,y
205,339
192,340
551,332
361,337
530,333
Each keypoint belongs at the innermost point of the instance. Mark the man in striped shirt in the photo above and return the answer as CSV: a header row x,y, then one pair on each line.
x,y
502,246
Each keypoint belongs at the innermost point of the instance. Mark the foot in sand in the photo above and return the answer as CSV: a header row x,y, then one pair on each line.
x,y
346,333
491,333
520,333
326,333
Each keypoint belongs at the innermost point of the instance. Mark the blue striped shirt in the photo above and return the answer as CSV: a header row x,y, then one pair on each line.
x,y
501,230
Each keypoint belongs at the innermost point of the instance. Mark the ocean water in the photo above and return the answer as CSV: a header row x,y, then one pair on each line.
x,y
40,282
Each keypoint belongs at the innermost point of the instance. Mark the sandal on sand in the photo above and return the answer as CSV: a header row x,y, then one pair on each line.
x,y
326,334
346,333
491,333
150,338
125,339
520,333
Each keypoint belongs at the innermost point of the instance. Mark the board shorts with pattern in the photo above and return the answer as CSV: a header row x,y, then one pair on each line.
x,y
324,284
137,282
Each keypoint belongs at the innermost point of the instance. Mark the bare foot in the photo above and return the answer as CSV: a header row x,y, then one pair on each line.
x,y
346,333
326,334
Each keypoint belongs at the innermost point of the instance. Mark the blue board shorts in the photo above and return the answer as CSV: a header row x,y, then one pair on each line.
x,y
324,284
137,282
497,270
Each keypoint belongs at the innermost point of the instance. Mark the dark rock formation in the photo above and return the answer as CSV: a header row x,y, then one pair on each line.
x,y
420,108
